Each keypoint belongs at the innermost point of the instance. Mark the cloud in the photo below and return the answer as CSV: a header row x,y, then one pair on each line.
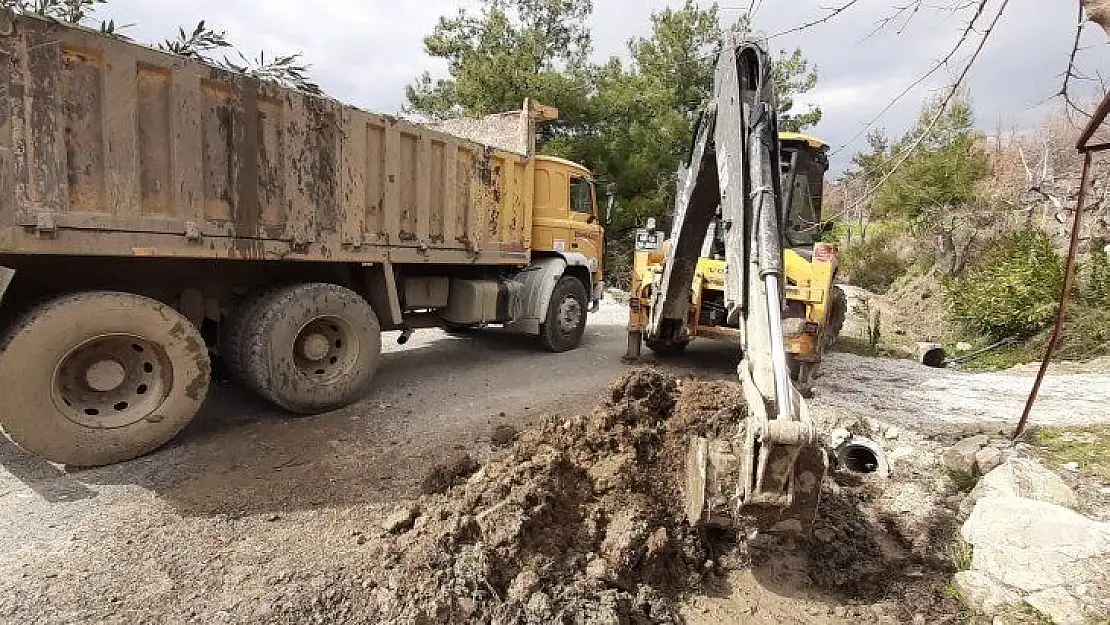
x,y
365,51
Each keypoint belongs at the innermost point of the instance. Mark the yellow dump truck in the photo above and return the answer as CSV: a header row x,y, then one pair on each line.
x,y
156,212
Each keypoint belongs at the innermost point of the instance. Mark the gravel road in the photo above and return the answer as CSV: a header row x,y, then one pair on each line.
x,y
247,488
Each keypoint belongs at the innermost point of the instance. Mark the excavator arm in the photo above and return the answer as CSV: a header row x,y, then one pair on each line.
x,y
774,466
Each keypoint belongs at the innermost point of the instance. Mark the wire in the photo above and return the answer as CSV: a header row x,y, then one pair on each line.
x,y
936,118
932,70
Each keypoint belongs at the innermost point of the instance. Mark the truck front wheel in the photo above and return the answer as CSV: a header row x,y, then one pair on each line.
x,y
566,316
100,377
310,348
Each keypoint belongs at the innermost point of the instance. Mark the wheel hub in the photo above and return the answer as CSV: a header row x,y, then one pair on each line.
x,y
112,381
325,349
315,347
105,375
570,315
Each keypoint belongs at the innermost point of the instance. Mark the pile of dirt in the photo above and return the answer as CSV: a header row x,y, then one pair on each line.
x,y
579,521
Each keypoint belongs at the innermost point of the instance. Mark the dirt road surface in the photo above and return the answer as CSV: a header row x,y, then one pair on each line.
x,y
247,499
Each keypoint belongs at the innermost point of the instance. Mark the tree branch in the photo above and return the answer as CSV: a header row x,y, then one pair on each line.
x,y
833,13
939,114
982,4
1070,73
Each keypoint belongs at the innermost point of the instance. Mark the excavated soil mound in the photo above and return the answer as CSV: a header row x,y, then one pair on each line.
x,y
579,522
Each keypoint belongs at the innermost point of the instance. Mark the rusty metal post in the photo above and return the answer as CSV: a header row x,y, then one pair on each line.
x,y
1069,272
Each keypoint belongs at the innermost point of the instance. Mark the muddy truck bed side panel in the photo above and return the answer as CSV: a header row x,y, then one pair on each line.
x,y
110,148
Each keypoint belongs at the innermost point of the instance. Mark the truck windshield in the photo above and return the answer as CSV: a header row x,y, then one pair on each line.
x,y
581,196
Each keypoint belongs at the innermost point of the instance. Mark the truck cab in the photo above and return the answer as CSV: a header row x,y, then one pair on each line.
x,y
565,218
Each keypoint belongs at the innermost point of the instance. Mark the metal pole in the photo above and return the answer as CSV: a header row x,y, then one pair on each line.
x,y
1069,277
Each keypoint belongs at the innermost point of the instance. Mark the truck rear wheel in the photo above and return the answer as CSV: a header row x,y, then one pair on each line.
x,y
310,348
566,316
100,377
233,333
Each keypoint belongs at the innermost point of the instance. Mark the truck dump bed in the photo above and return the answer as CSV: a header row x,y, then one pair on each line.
x,y
110,148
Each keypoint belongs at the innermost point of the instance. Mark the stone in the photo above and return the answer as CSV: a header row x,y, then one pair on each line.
x,y
987,459
1034,545
963,346
1022,477
983,593
401,520
1059,605
892,433
1071,466
838,436
523,586
961,456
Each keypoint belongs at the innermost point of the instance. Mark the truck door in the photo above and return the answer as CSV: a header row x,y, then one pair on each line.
x,y
588,232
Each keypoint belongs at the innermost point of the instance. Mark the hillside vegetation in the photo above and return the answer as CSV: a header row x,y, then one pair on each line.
x,y
983,224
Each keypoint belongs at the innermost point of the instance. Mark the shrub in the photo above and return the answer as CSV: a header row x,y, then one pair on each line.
x,y
1012,289
874,264
1096,288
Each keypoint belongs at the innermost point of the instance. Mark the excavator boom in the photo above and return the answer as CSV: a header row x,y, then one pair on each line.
x,y
775,464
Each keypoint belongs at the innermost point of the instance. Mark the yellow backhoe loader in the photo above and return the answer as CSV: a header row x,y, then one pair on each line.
x,y
742,263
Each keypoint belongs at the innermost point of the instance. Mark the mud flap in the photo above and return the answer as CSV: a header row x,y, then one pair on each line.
x,y
6,276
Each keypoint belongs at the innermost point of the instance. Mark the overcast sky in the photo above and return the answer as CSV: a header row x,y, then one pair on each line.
x,y
365,51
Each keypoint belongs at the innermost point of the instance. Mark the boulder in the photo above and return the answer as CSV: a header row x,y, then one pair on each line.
x,y
1034,545
1022,477
987,459
961,456
1059,605
984,593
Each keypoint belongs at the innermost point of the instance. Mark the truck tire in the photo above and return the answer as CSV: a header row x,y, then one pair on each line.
x,y
311,348
667,350
566,316
100,377
233,332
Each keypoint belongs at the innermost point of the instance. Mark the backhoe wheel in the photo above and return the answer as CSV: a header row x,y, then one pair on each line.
x,y
566,316
100,377
837,314
310,348
667,349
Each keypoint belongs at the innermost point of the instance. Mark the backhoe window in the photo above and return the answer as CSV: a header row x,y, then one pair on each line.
x,y
801,221
582,196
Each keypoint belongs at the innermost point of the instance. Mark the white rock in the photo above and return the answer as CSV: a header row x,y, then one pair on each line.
x,y
838,436
1071,466
1022,477
963,346
983,593
892,433
1059,605
987,459
1034,545
961,456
